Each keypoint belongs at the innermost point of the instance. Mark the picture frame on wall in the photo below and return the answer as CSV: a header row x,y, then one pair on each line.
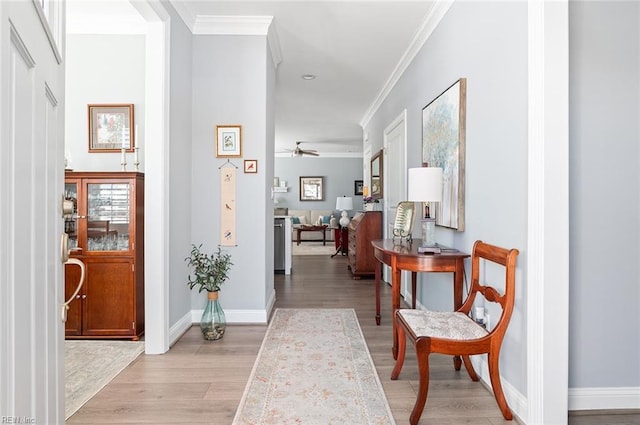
x,y
311,188
443,145
250,166
358,187
228,141
110,127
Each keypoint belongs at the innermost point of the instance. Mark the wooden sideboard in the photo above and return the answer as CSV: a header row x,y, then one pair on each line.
x,y
363,228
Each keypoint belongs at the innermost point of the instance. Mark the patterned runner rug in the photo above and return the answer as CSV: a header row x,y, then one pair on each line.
x,y
313,248
90,365
314,368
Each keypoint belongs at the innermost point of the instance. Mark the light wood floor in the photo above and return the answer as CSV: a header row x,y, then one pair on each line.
x,y
199,382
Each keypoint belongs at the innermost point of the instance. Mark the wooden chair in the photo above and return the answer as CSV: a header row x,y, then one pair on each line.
x,y
456,333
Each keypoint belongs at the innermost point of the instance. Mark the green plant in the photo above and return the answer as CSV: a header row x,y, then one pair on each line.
x,y
210,271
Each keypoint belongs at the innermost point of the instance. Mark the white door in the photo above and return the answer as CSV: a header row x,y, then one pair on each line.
x,y
395,185
31,187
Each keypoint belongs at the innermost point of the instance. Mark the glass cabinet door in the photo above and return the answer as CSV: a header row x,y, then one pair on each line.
x,y
71,220
108,207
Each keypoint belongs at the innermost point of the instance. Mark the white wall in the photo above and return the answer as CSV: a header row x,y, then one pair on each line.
x,y
605,188
102,69
229,86
486,43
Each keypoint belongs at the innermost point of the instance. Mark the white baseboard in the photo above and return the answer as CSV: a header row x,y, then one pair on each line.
x,y
611,398
181,326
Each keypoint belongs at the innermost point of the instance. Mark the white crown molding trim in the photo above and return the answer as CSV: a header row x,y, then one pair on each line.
x,y
232,25
185,13
434,16
612,398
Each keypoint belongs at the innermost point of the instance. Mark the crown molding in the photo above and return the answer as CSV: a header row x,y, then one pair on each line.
x,y
434,16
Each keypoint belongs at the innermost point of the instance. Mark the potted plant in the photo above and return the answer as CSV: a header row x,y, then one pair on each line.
x,y
370,204
209,273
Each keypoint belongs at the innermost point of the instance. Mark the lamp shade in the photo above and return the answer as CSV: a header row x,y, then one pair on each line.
x,y
425,184
344,203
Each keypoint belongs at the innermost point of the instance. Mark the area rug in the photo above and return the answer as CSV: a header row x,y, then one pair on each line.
x,y
90,365
314,368
313,248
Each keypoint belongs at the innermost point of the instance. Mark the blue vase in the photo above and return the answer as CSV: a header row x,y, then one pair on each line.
x,y
213,323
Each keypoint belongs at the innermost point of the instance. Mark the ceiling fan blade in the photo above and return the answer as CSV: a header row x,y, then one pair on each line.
x,y
312,153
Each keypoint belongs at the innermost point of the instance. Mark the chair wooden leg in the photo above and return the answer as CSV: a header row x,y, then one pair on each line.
x,y
402,349
422,354
470,370
494,374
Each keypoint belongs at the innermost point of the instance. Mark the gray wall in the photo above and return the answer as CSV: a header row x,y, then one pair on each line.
x,y
102,69
604,180
179,164
486,42
229,86
339,177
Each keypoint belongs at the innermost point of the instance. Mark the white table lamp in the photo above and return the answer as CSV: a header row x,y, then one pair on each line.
x,y
344,203
425,185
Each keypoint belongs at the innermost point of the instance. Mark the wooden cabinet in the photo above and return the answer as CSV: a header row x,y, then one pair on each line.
x,y
106,232
363,228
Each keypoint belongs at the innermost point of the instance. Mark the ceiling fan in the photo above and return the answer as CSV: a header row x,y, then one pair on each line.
x,y
298,151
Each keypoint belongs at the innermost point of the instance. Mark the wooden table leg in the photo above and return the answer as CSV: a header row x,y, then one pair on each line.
x,y
458,280
377,284
299,231
395,304
414,280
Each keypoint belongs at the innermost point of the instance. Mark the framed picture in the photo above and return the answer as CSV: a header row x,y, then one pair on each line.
x,y
110,127
377,176
311,188
228,141
250,165
443,145
358,187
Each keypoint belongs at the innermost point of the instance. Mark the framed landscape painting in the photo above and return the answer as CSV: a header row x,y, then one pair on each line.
x,y
443,145
110,127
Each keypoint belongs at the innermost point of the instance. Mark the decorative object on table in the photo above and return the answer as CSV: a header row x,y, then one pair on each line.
x,y
210,272
377,175
123,159
344,204
443,145
358,187
250,165
228,172
136,155
371,204
425,185
403,224
311,188
228,141
110,127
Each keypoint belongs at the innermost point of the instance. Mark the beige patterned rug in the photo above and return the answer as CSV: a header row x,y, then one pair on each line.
x,y
90,365
313,248
314,368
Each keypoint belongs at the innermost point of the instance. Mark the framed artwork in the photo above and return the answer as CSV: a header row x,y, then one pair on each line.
x,y
377,175
110,127
443,145
311,188
228,141
403,223
358,187
250,165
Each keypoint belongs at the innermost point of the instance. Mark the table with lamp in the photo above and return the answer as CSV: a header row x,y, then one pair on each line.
x,y
420,255
343,204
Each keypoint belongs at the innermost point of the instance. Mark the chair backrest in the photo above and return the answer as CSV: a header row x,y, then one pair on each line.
x,y
501,256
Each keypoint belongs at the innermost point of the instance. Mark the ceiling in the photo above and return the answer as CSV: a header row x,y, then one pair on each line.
x,y
351,47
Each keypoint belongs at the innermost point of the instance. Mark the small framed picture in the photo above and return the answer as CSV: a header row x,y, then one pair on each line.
x,y
250,165
228,141
110,127
358,187
311,188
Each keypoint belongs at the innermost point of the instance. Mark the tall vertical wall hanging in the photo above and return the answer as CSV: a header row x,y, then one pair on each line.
x,y
228,173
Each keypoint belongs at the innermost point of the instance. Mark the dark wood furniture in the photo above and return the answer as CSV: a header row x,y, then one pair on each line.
x,y
106,232
455,333
364,227
310,228
406,257
341,240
